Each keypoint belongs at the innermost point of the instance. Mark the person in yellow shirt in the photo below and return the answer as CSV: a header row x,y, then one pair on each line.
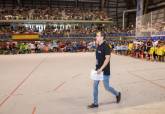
x,y
153,53
160,52
130,48
164,52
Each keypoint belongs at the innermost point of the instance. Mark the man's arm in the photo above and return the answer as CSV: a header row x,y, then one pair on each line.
x,y
106,61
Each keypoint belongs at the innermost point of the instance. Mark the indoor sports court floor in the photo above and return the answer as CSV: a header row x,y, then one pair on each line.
x,y
59,83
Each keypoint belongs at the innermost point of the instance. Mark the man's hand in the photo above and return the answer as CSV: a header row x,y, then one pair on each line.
x,y
99,71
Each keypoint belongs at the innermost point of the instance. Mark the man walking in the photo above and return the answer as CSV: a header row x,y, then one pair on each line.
x,y
103,65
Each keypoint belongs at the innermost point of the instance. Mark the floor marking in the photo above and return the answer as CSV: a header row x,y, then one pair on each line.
x,y
21,83
161,86
60,85
75,76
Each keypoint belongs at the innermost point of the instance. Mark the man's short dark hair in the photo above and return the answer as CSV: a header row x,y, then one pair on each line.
x,y
102,33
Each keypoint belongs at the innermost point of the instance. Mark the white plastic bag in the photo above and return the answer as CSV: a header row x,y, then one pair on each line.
x,y
95,76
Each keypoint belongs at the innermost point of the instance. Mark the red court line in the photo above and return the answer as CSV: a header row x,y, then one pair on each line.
x,y
34,110
21,83
59,86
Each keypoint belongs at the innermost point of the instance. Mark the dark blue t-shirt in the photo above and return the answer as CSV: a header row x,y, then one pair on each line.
x,y
101,51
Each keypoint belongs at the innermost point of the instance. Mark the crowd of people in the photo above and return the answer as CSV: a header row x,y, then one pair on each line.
x,y
149,50
14,47
56,30
78,31
52,14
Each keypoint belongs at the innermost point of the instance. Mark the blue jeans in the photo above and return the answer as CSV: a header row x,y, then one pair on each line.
x,y
106,86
